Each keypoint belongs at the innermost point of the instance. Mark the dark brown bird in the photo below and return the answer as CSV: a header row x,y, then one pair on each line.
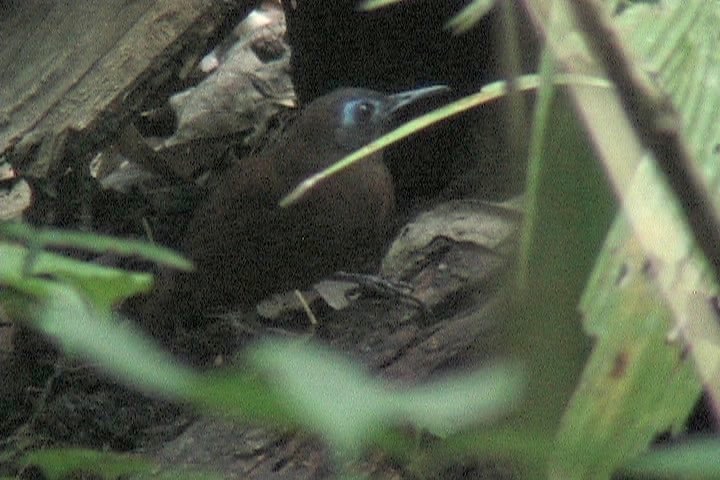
x,y
245,247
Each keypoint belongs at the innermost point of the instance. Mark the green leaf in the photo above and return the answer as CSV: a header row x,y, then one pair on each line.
x,y
289,383
469,16
330,395
61,462
42,238
82,330
649,284
58,463
28,270
637,382
125,353
368,5
522,446
568,211
697,459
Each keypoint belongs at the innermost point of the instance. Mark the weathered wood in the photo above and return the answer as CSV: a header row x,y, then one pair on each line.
x,y
83,66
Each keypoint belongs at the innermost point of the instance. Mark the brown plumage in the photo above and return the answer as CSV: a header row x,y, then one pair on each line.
x,y
245,247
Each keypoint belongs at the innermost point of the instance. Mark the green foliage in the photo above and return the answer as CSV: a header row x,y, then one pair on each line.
x,y
696,459
62,462
39,273
284,383
331,395
637,382
601,372
647,301
92,243
59,463
469,16
29,269
567,214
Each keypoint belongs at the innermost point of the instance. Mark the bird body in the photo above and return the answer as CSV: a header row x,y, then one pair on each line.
x,y
246,247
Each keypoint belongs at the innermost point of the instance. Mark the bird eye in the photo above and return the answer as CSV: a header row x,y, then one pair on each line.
x,y
363,112
358,112
361,120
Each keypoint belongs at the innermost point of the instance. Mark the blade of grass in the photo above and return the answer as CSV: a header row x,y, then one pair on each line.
x,y
488,93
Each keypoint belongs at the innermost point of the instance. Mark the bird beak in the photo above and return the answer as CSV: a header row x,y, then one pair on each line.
x,y
402,99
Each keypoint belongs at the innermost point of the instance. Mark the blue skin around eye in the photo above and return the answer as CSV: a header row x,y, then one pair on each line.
x,y
348,112
356,128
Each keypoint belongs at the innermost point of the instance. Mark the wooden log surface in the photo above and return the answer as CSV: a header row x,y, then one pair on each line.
x,y
84,66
